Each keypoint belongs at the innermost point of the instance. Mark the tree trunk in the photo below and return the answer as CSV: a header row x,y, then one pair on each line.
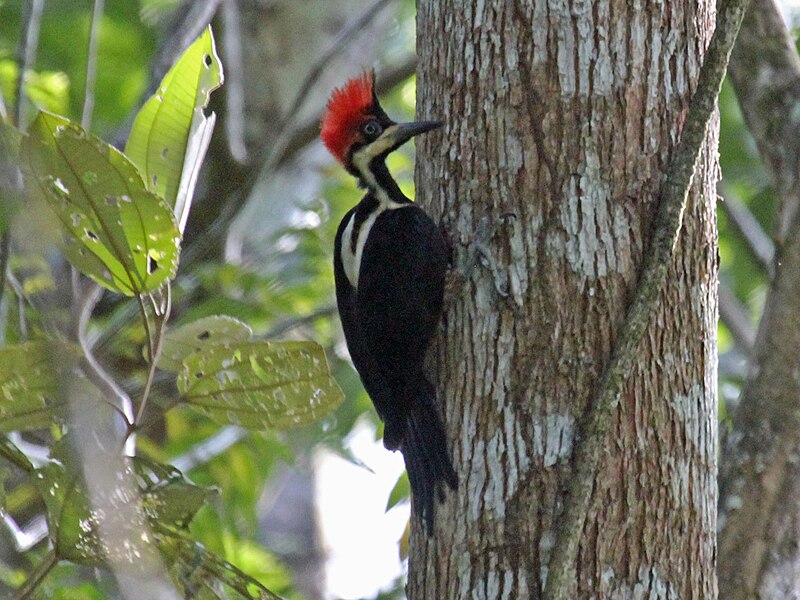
x,y
561,118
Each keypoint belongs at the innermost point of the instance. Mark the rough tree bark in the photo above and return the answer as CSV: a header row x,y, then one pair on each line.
x,y
561,118
759,472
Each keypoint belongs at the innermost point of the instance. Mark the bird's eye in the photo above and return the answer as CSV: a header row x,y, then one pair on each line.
x,y
372,129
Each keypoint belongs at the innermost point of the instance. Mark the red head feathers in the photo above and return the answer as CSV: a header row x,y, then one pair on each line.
x,y
347,108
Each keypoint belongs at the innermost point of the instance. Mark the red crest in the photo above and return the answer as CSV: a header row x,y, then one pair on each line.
x,y
347,107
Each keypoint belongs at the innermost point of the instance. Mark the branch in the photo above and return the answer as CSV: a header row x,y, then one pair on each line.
x,y
743,221
89,364
736,319
596,424
36,577
91,65
26,54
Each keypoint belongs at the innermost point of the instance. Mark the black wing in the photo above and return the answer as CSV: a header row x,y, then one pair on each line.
x,y
399,302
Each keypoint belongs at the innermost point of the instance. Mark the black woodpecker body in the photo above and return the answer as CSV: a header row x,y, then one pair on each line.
x,y
390,262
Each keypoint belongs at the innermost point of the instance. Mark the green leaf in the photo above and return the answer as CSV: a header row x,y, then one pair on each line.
x,y
400,492
167,496
30,379
171,134
118,233
198,335
260,384
167,500
199,572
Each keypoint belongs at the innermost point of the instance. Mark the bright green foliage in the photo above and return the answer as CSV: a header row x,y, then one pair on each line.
x,y
170,135
117,232
199,335
260,384
30,375
46,89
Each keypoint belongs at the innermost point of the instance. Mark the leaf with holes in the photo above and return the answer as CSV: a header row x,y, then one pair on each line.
x,y
30,375
170,135
198,335
118,233
260,384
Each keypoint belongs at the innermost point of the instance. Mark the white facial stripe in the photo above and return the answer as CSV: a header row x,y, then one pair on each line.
x,y
362,158
352,261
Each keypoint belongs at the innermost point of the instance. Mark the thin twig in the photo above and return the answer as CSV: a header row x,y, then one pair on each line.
x,y
26,55
23,298
14,456
597,422
734,316
37,576
743,221
161,319
91,65
234,84
146,323
89,364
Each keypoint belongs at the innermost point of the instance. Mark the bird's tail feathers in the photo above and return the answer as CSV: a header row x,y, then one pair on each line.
x,y
425,451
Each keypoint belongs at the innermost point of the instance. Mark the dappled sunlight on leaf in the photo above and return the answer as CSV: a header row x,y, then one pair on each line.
x,y
117,232
260,384
194,337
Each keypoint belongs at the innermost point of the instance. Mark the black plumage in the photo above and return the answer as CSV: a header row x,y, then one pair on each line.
x,y
388,322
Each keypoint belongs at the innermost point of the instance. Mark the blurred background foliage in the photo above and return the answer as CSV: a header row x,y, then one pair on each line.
x,y
277,198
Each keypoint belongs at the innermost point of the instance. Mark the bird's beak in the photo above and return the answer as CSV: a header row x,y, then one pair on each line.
x,y
405,131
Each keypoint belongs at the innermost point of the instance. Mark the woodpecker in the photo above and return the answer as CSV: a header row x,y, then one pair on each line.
x,y
389,263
